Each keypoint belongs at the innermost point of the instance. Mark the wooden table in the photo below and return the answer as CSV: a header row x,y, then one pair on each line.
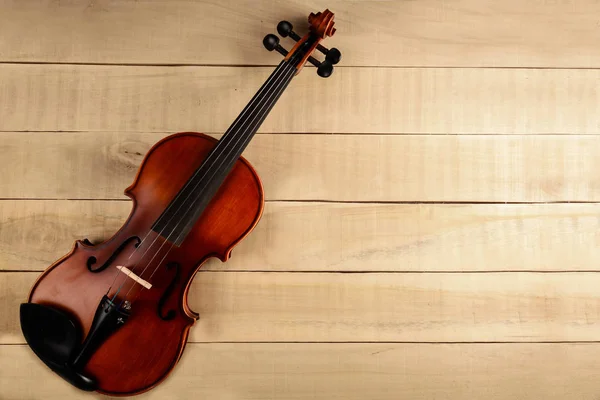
x,y
432,225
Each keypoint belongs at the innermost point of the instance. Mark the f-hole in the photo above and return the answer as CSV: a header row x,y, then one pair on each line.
x,y
161,303
92,260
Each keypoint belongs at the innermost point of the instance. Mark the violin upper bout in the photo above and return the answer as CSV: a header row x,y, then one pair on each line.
x,y
169,163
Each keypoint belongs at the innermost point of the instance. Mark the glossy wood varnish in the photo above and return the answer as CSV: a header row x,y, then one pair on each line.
x,y
142,352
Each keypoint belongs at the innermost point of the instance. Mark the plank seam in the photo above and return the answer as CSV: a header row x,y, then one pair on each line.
x,y
324,201
218,65
382,272
373,134
409,342
384,342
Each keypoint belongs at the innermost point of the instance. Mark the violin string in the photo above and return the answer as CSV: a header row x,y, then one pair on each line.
x,y
208,160
206,171
278,73
181,191
245,142
269,104
259,118
233,148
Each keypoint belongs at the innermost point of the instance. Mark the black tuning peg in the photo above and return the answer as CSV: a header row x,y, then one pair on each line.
x,y
284,28
333,55
325,69
271,42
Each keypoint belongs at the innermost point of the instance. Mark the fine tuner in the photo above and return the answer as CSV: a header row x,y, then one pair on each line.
x,y
285,29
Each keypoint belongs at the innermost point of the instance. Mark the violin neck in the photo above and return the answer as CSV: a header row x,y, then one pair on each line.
x,y
178,218
250,119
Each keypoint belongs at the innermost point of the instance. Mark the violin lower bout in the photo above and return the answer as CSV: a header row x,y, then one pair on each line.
x,y
146,348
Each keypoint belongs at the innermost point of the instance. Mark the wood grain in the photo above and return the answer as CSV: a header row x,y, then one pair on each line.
x,y
353,100
461,33
296,236
344,371
70,165
324,307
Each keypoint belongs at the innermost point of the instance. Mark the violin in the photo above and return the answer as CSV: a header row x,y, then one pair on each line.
x,y
113,317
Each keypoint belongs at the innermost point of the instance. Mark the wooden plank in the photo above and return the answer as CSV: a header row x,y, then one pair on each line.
x,y
386,33
353,100
344,371
325,307
339,237
324,167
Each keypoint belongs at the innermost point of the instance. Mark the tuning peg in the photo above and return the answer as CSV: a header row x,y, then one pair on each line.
x,y
333,55
325,69
284,28
271,42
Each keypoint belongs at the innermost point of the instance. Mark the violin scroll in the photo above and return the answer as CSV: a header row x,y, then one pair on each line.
x,y
321,23
321,26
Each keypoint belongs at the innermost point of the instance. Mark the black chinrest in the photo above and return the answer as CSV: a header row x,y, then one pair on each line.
x,y
54,337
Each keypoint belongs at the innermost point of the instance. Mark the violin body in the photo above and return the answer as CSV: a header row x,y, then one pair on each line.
x,y
149,345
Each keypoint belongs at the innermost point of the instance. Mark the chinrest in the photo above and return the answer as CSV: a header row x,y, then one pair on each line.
x,y
54,337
